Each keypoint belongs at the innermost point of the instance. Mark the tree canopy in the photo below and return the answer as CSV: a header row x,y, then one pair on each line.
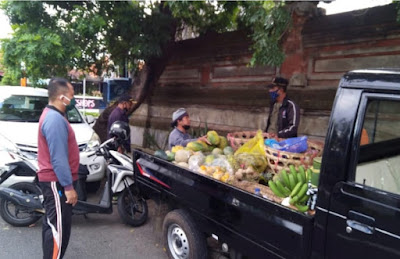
x,y
53,37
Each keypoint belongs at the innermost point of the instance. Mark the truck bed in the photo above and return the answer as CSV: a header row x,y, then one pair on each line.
x,y
253,225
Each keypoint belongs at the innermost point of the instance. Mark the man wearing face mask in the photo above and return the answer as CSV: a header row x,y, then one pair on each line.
x,y
181,124
120,113
284,115
58,160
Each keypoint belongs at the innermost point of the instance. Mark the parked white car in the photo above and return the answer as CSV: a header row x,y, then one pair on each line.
x,y
10,154
20,110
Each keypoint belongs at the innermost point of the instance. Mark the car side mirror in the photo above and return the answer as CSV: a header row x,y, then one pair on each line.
x,y
90,119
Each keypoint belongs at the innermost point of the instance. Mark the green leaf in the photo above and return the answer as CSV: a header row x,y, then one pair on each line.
x,y
79,34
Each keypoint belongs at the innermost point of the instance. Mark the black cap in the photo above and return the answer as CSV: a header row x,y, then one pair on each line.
x,y
278,81
125,98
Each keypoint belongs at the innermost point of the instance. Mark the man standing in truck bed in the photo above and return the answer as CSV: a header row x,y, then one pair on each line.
x,y
284,115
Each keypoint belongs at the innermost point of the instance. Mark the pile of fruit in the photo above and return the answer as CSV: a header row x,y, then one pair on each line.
x,y
217,160
215,140
216,172
214,159
292,186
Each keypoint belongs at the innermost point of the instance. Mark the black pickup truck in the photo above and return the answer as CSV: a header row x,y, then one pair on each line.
x,y
357,213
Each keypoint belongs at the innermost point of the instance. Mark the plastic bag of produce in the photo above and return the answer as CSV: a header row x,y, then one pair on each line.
x,y
252,153
256,161
196,161
253,146
294,145
223,163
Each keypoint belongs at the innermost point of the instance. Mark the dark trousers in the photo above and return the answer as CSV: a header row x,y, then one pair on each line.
x,y
56,222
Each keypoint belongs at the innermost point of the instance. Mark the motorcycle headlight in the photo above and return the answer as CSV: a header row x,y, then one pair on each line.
x,y
93,142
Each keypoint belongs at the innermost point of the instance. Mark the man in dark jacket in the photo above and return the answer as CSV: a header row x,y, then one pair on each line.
x,y
120,114
284,115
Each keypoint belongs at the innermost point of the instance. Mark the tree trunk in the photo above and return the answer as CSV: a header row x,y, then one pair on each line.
x,y
143,84
140,90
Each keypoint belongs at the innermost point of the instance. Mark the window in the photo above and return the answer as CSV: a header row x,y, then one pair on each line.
x,y
379,157
22,108
73,116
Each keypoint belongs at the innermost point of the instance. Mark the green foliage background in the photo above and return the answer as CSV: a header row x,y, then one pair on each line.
x,y
51,38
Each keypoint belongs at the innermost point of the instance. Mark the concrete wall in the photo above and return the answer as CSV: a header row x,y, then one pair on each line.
x,y
209,75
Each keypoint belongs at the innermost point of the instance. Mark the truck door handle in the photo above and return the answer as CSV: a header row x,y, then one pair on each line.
x,y
352,224
360,222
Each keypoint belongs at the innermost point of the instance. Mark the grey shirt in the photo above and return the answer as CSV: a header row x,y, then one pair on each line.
x,y
273,127
178,138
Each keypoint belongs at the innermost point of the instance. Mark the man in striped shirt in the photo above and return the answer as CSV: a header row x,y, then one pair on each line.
x,y
58,159
284,115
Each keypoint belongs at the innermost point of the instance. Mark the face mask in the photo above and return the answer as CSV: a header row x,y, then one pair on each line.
x,y
186,127
273,95
71,104
125,109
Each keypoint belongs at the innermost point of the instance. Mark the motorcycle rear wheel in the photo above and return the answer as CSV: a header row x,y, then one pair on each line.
x,y
11,213
132,208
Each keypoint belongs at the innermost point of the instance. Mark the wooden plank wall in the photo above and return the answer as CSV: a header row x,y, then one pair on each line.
x,y
210,75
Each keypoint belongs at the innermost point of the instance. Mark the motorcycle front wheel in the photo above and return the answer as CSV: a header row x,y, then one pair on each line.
x,y
17,215
132,208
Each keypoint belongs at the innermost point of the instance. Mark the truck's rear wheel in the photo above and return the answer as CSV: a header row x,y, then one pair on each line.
x,y
182,237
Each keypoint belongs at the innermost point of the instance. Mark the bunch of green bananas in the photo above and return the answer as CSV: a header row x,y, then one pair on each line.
x,y
293,185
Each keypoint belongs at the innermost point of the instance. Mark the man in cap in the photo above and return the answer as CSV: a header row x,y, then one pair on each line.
x,y
284,115
120,113
181,123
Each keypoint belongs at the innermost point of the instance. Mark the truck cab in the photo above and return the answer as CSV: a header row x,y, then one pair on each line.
x,y
358,207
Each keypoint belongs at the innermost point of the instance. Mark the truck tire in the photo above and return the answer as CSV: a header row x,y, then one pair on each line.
x,y
182,237
132,208
16,215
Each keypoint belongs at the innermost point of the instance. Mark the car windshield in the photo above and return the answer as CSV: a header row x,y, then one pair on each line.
x,y
23,108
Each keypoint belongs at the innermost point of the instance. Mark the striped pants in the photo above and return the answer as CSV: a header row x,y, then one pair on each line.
x,y
56,222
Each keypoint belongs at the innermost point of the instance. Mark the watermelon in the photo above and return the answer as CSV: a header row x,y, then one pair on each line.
x,y
195,146
228,151
223,142
204,144
213,137
217,151
161,154
170,155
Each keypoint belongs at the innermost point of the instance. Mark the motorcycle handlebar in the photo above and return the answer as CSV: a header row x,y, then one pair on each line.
x,y
103,149
94,153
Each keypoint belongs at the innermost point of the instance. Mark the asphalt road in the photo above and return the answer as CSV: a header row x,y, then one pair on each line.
x,y
100,236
